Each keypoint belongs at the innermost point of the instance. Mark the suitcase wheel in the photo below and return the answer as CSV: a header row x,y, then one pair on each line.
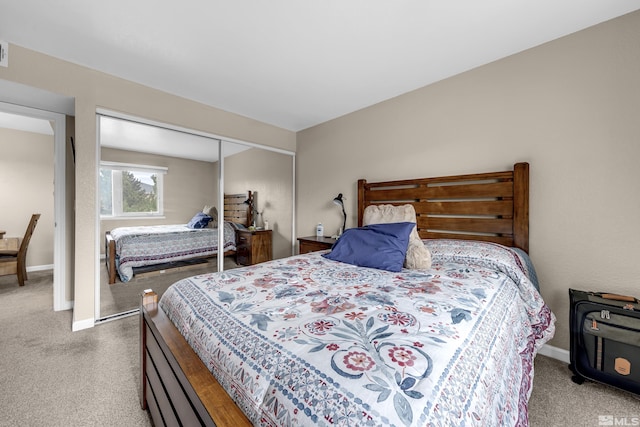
x,y
577,379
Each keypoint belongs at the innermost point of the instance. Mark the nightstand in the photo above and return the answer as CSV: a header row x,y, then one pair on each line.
x,y
313,243
253,246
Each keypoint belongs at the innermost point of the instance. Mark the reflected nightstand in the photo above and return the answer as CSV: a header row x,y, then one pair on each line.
x,y
253,246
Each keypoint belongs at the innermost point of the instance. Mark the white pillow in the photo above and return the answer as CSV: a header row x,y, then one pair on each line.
x,y
212,211
418,256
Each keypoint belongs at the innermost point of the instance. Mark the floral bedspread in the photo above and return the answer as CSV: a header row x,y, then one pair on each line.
x,y
157,244
306,340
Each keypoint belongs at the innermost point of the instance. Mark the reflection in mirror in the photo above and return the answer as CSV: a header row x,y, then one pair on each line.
x,y
151,176
269,176
180,173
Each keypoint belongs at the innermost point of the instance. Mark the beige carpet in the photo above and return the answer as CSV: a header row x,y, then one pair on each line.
x,y
124,296
558,401
50,376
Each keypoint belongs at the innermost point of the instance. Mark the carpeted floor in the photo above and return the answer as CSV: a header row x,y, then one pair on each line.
x,y
50,376
557,401
121,297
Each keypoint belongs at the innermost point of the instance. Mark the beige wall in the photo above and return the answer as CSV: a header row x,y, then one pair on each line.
x,y
189,185
270,175
569,107
93,90
26,185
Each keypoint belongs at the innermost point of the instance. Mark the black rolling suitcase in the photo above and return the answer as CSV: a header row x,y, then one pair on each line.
x,y
605,339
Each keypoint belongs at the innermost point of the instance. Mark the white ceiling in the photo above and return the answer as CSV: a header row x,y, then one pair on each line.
x,y
292,63
134,136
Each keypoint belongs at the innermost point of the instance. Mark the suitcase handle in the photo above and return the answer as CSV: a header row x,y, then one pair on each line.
x,y
617,297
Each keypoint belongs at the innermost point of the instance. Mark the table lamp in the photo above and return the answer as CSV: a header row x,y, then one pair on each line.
x,y
338,200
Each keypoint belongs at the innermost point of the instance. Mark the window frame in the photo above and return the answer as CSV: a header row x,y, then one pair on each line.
x,y
116,192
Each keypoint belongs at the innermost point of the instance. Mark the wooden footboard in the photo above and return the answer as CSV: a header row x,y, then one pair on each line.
x,y
176,387
110,257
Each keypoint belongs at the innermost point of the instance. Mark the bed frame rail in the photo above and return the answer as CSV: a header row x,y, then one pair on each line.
x,y
176,387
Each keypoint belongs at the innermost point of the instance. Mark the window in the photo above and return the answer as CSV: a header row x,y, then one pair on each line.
x,y
130,190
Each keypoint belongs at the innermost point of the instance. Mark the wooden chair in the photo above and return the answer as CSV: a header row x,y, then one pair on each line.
x,y
15,261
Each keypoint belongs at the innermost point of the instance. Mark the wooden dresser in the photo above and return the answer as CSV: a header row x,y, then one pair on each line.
x,y
253,246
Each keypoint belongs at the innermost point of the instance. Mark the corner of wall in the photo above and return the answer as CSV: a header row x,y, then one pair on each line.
x,y
79,325
555,353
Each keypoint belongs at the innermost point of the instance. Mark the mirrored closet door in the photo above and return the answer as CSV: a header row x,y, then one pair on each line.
x,y
151,175
268,174
153,182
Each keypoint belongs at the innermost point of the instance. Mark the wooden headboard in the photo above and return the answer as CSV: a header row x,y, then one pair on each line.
x,y
236,210
490,206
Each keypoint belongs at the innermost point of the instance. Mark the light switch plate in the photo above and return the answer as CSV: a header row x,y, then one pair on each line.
x,y
4,53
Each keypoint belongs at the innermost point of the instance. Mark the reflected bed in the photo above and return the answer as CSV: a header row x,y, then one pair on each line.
x,y
131,249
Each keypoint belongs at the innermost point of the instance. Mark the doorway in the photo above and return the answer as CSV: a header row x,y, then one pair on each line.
x,y
62,299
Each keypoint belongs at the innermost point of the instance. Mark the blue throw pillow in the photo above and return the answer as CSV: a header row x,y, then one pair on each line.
x,y
199,220
381,246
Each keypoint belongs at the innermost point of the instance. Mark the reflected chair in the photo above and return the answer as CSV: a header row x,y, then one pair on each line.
x,y
15,261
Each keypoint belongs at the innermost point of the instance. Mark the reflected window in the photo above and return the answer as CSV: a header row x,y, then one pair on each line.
x,y
130,190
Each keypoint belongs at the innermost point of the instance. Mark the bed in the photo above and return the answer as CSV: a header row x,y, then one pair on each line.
x,y
145,248
310,340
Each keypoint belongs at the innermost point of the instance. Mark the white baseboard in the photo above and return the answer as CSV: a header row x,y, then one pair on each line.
x,y
82,324
555,353
66,305
39,268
